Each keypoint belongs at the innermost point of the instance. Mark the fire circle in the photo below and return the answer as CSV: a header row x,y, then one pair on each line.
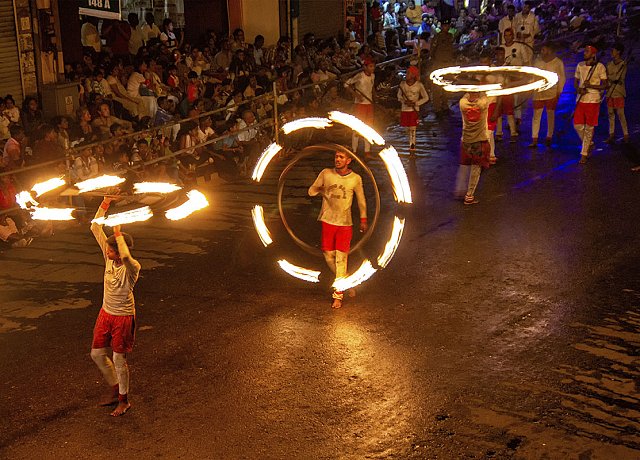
x,y
399,182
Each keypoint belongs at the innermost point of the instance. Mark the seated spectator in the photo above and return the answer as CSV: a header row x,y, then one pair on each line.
x,y
195,89
4,122
117,92
10,110
85,166
104,121
31,115
48,148
237,42
13,157
83,129
61,125
138,87
222,60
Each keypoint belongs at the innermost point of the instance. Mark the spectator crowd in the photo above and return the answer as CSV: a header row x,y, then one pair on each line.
x,y
146,93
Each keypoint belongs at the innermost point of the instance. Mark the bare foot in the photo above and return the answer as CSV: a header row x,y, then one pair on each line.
x,y
337,303
123,407
351,292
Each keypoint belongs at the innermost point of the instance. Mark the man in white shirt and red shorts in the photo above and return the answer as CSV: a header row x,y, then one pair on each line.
x,y
116,322
362,86
337,187
590,80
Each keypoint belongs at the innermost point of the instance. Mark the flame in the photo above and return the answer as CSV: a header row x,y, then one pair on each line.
x,y
155,187
357,125
361,275
311,122
48,185
547,79
126,217
25,200
52,214
392,245
261,227
264,161
99,182
399,179
196,202
299,272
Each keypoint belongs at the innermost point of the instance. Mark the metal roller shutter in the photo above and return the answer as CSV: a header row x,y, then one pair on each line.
x,y
10,78
322,17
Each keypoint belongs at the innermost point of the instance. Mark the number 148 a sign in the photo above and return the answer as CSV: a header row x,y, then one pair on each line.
x,y
107,9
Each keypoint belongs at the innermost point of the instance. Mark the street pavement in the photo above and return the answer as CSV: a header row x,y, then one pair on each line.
x,y
508,329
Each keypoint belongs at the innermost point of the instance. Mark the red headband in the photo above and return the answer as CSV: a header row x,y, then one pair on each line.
x,y
592,49
368,61
413,70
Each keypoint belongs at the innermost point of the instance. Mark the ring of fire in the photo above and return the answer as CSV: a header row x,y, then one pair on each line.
x,y
399,182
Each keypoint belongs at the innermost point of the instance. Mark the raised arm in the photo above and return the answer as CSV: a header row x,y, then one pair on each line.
x,y
97,230
132,265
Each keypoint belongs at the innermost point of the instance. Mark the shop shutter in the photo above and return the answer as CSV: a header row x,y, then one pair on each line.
x,y
10,79
322,17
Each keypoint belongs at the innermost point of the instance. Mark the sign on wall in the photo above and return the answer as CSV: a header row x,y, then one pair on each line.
x,y
106,9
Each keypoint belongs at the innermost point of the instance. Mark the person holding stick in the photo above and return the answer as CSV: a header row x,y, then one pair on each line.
x,y
412,94
116,322
616,93
590,80
362,86
337,186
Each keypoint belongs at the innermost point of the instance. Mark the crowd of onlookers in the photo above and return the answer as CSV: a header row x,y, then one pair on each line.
x,y
144,92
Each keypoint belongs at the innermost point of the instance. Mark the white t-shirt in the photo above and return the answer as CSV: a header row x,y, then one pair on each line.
x,y
133,84
414,93
599,74
515,54
364,85
337,196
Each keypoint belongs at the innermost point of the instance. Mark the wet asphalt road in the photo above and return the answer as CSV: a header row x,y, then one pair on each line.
x,y
507,330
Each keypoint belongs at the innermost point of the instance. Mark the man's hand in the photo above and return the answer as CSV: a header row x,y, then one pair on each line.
x,y
116,230
364,225
582,91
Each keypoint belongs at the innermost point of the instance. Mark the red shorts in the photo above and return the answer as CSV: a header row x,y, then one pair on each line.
x,y
364,112
117,332
476,153
615,102
507,104
491,125
336,237
549,104
409,118
586,114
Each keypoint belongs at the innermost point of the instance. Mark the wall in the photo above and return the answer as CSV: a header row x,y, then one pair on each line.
x,y
261,17
325,18
200,15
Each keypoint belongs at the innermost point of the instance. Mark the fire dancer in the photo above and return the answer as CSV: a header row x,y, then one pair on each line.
x,y
590,79
337,187
474,148
412,95
115,326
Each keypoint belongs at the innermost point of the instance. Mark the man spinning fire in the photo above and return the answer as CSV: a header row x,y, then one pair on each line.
x,y
116,322
337,186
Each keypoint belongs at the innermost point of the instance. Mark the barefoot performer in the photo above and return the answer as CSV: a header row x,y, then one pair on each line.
x,y
115,326
412,94
337,187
